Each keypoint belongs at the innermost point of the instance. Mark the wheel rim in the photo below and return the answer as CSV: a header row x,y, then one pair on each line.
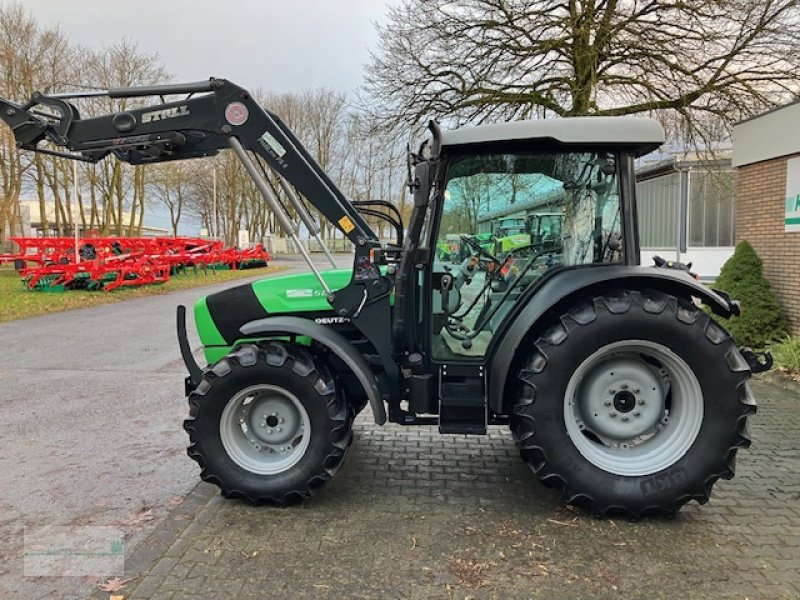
x,y
633,408
265,429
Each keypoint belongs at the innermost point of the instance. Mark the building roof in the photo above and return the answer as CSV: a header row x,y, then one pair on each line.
x,y
774,134
655,168
644,135
535,191
766,112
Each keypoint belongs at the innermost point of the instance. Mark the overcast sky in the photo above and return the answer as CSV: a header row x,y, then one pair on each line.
x,y
286,45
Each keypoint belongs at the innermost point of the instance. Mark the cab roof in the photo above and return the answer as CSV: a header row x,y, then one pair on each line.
x,y
641,135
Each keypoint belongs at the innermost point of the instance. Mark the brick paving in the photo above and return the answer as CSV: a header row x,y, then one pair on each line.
x,y
413,514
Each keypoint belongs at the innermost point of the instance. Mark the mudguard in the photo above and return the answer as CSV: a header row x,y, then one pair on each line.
x,y
572,282
332,340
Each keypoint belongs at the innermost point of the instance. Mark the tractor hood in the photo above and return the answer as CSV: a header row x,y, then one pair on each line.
x,y
219,316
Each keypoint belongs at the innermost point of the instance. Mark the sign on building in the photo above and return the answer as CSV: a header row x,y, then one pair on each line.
x,y
792,222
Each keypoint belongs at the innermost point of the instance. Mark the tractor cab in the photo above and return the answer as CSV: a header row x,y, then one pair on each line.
x,y
579,190
544,226
556,195
510,227
544,185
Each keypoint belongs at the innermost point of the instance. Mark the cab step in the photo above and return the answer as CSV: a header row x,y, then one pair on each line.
x,y
462,406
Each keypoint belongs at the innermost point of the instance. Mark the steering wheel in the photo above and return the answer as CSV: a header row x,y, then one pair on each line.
x,y
478,249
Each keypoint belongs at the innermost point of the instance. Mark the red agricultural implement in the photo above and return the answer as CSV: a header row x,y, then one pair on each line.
x,y
49,264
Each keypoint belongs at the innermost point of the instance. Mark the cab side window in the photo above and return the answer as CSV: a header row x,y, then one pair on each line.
x,y
508,219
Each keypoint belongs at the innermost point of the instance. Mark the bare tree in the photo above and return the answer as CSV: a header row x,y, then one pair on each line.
x,y
170,184
317,117
709,62
468,197
121,187
29,55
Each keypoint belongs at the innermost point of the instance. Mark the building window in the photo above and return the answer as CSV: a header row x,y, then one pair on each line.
x,y
657,207
711,208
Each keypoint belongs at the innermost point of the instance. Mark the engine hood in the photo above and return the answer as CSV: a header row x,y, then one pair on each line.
x,y
219,316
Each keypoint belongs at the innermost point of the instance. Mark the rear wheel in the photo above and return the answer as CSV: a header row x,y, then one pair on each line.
x,y
268,425
633,403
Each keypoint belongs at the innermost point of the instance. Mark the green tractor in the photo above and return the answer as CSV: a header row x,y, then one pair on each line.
x,y
514,233
511,234
619,390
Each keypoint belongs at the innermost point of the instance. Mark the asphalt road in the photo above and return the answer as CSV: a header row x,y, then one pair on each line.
x,y
91,406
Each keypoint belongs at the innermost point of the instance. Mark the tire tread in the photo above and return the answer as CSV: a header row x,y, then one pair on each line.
x,y
301,363
619,302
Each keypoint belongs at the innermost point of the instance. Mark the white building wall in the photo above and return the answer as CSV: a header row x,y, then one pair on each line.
x,y
767,136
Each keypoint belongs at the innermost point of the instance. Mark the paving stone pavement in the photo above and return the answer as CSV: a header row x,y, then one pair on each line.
x,y
413,514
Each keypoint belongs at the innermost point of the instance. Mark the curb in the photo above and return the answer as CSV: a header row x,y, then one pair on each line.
x,y
149,553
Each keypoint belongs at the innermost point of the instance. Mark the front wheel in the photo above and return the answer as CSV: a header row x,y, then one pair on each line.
x,y
268,424
632,403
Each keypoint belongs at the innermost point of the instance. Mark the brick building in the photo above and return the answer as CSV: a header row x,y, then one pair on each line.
x,y
766,155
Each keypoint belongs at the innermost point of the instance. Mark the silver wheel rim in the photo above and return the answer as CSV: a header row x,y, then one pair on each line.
x,y
265,429
633,408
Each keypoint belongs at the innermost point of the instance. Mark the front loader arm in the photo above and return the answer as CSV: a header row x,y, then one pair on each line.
x,y
201,124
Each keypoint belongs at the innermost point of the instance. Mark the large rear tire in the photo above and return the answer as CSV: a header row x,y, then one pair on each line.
x,y
268,424
632,403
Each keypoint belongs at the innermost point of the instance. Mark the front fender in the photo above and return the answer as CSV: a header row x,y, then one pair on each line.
x,y
332,340
572,283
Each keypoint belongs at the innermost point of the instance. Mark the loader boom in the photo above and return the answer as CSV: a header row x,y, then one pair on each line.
x,y
201,124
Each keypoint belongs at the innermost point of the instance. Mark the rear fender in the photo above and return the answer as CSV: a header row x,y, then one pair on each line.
x,y
569,285
332,340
